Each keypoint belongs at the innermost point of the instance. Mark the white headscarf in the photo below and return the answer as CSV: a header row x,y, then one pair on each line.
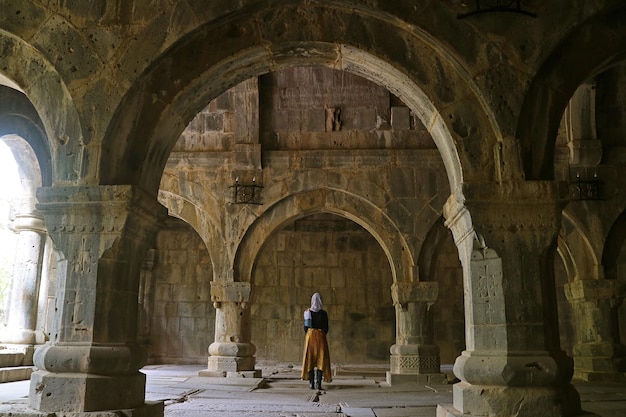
x,y
316,302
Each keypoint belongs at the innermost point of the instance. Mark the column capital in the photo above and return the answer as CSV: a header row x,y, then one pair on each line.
x,y
403,292
233,292
100,209
594,289
526,206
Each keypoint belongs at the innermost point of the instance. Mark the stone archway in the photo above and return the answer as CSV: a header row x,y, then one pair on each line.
x,y
19,117
62,144
555,84
334,256
187,77
414,358
22,131
594,301
328,201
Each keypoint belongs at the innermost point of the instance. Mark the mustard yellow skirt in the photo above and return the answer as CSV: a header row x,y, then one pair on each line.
x,y
316,354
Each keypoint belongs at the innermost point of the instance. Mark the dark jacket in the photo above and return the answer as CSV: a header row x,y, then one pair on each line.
x,y
319,320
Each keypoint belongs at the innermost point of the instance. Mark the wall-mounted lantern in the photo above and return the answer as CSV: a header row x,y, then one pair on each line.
x,y
246,193
585,188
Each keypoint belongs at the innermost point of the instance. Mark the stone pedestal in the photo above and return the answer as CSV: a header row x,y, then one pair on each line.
x,y
509,290
414,358
232,354
25,283
92,361
598,355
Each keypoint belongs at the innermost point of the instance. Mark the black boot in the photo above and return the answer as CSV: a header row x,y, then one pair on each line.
x,y
311,380
319,379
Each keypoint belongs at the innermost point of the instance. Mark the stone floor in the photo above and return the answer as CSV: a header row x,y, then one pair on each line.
x,y
355,391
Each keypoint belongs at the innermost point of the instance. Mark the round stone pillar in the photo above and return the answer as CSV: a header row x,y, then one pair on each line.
x,y
414,357
232,354
598,355
25,282
512,364
92,360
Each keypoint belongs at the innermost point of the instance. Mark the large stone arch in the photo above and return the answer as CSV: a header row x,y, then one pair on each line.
x,y
45,89
217,56
327,201
19,117
575,60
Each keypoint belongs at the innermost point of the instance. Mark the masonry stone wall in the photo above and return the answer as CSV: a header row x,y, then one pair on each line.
x,y
345,264
319,108
320,253
183,318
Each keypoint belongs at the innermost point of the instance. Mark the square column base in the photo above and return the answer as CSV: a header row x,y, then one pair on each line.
x,y
223,364
74,392
149,409
472,400
415,379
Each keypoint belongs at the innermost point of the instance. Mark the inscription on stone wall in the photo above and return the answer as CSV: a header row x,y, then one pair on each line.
x,y
486,287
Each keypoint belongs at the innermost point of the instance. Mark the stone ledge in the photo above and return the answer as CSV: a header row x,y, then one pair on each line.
x,y
19,409
11,358
16,373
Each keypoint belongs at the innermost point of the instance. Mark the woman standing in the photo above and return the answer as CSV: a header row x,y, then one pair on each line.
x,y
316,360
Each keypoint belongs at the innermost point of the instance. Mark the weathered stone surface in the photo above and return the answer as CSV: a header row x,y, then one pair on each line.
x,y
388,114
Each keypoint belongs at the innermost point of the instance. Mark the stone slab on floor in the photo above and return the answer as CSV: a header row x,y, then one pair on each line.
x,y
168,394
15,373
226,406
21,409
187,395
358,412
404,412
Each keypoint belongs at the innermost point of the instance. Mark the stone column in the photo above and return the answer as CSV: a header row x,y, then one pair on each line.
x,y
512,364
598,355
414,357
232,354
92,360
25,284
